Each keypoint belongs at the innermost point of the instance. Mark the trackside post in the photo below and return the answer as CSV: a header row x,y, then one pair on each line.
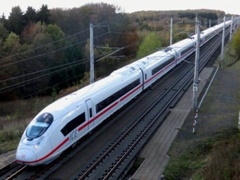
x,y
239,121
195,121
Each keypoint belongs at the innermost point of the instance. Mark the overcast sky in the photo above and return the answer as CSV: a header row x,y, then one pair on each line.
x,y
229,6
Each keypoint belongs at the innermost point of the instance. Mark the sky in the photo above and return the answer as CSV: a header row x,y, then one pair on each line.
x,y
128,6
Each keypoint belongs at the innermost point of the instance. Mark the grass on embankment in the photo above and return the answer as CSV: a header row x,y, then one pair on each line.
x,y
215,158
14,118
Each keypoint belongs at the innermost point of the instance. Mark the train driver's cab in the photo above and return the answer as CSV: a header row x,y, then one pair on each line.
x,y
38,127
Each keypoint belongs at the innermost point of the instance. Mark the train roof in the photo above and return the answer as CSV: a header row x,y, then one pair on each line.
x,y
158,56
126,71
182,44
59,107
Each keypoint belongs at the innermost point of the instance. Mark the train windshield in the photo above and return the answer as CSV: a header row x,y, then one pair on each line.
x,y
37,128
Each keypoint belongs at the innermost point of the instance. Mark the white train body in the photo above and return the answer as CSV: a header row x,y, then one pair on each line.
x,y
65,121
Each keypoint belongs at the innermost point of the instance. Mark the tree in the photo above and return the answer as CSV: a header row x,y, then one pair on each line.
x,y
15,21
149,45
12,45
3,19
3,36
30,16
44,14
3,31
236,44
56,34
30,31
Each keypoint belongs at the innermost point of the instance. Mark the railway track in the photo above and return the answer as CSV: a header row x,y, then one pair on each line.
x,y
113,160
132,139
11,171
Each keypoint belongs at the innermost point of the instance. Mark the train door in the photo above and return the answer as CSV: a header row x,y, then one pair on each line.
x,y
89,104
144,76
176,56
142,68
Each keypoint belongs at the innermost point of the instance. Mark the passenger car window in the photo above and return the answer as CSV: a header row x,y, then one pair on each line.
x,y
73,124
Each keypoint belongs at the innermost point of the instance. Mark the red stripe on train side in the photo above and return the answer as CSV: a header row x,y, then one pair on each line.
x,y
159,72
131,92
97,116
109,108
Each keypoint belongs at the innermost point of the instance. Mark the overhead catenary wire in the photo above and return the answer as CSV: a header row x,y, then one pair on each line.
x,y
13,86
17,54
86,60
40,71
50,87
117,50
49,52
56,50
35,78
40,55
59,40
28,81
62,66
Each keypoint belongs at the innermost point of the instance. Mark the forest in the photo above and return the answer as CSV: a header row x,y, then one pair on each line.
x,y
43,51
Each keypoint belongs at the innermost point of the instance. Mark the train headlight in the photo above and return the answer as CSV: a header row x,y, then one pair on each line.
x,y
38,142
36,147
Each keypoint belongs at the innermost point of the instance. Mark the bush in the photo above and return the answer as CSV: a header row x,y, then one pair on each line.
x,y
236,44
150,44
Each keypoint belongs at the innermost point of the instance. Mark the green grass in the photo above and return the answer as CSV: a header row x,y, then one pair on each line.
x,y
215,158
229,58
10,136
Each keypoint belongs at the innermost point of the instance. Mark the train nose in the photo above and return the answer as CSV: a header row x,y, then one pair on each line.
x,y
25,155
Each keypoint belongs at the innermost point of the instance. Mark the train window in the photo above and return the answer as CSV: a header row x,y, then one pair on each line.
x,y
158,68
109,100
186,50
90,112
39,127
73,124
133,68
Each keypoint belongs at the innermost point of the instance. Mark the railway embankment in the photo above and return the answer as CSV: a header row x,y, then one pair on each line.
x,y
213,150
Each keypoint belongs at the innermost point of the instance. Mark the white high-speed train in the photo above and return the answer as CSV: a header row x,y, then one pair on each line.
x,y
65,121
